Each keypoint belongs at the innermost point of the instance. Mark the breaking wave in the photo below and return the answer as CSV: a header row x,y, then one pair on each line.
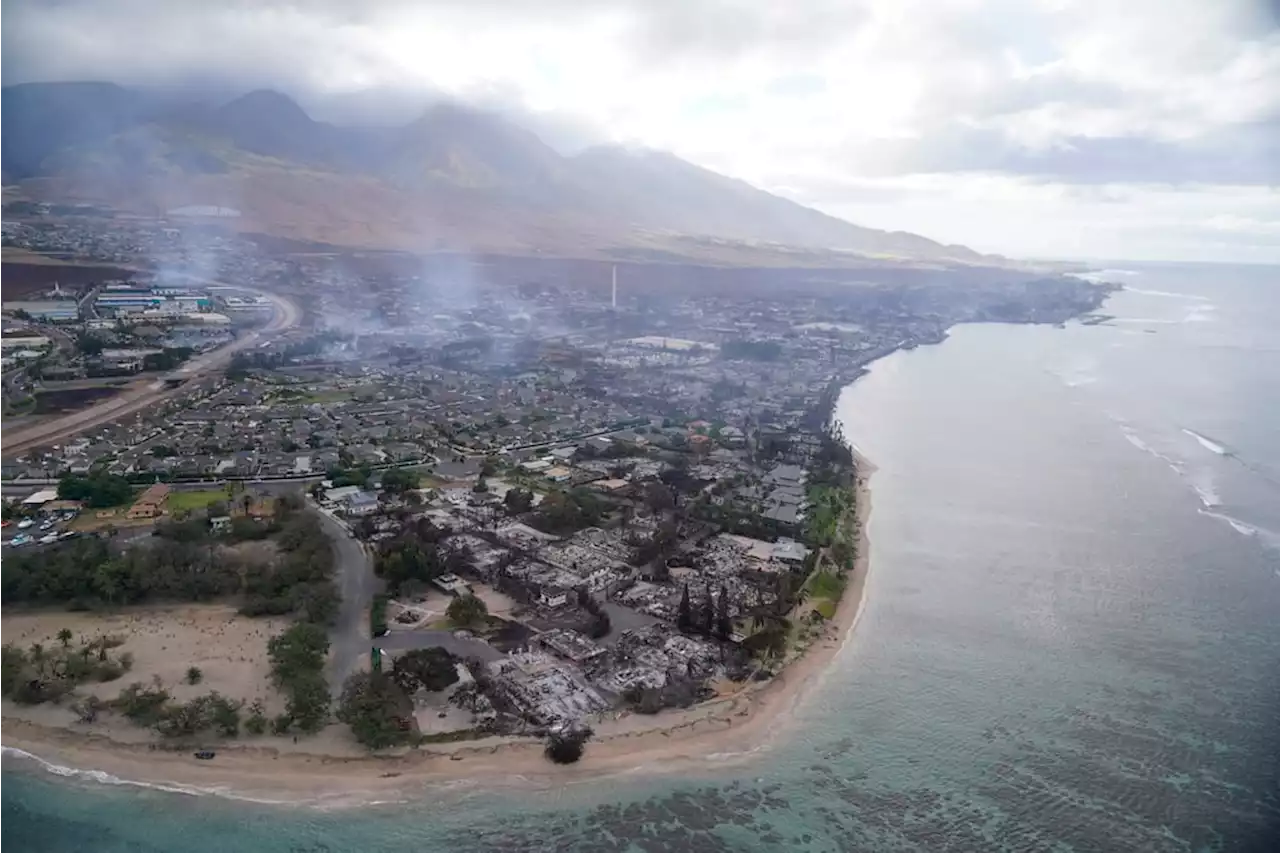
x,y
1100,276
1136,440
1168,294
104,778
1205,487
1239,526
1207,443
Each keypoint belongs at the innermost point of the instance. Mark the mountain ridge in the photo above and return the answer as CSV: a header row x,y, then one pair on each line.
x,y
454,177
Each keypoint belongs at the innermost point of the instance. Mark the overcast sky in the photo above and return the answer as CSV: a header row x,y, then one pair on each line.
x,y
1053,128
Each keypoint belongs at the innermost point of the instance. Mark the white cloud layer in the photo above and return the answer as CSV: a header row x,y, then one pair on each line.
x,y
1143,128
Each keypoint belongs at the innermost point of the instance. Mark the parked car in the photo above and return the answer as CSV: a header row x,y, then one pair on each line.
x,y
25,523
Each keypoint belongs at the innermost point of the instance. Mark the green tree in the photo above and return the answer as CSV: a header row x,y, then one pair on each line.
x,y
518,501
38,656
684,615
467,609
194,675
13,665
376,709
225,715
64,637
297,663
96,490
707,616
308,702
399,480
256,724
724,626
567,746
431,668
299,649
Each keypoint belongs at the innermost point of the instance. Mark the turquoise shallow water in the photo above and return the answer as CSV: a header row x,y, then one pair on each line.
x,y
1069,641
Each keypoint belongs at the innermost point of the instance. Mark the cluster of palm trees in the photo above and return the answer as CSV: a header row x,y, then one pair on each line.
x,y
770,621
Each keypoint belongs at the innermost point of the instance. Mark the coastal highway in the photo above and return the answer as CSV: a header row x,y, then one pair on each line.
x,y
147,392
357,584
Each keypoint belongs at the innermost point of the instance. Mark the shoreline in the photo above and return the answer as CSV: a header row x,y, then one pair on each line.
x,y
718,733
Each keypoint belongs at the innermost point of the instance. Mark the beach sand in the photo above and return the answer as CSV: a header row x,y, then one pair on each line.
x,y
331,770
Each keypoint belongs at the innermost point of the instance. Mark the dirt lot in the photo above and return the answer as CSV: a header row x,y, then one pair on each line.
x,y
229,649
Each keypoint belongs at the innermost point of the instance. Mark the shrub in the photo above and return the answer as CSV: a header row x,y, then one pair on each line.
x,y
566,747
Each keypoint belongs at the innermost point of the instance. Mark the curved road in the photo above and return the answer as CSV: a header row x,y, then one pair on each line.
x,y
148,392
357,584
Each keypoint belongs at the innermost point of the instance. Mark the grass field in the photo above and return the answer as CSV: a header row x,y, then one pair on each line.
x,y
190,501
329,395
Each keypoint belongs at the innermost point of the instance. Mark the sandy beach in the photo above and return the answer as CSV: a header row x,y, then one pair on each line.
x,y
331,770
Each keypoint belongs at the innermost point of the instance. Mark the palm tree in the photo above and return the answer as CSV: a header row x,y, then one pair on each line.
x,y
64,637
37,656
801,596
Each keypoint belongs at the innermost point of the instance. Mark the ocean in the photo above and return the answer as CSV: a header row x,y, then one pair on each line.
x,y
1070,639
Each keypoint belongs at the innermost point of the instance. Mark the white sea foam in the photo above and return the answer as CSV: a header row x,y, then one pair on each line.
x,y
1194,297
1208,494
1202,313
1207,443
1137,442
104,778
1134,439
1098,276
1236,524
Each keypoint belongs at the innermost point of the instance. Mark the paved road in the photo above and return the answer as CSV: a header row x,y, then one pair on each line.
x,y
357,584
147,392
460,646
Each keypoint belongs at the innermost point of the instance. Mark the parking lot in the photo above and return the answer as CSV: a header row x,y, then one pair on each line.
x,y
44,530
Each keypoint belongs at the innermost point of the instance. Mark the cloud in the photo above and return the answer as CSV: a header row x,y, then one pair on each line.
x,y
816,100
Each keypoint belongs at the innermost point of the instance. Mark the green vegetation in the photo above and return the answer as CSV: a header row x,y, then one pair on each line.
x,y
376,709
566,747
183,564
518,501
823,584
827,505
564,512
297,667
167,359
751,350
327,395
825,608
419,556
425,669
467,611
142,705
399,480
256,724
340,476
97,490
301,580
199,715
194,675
40,674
